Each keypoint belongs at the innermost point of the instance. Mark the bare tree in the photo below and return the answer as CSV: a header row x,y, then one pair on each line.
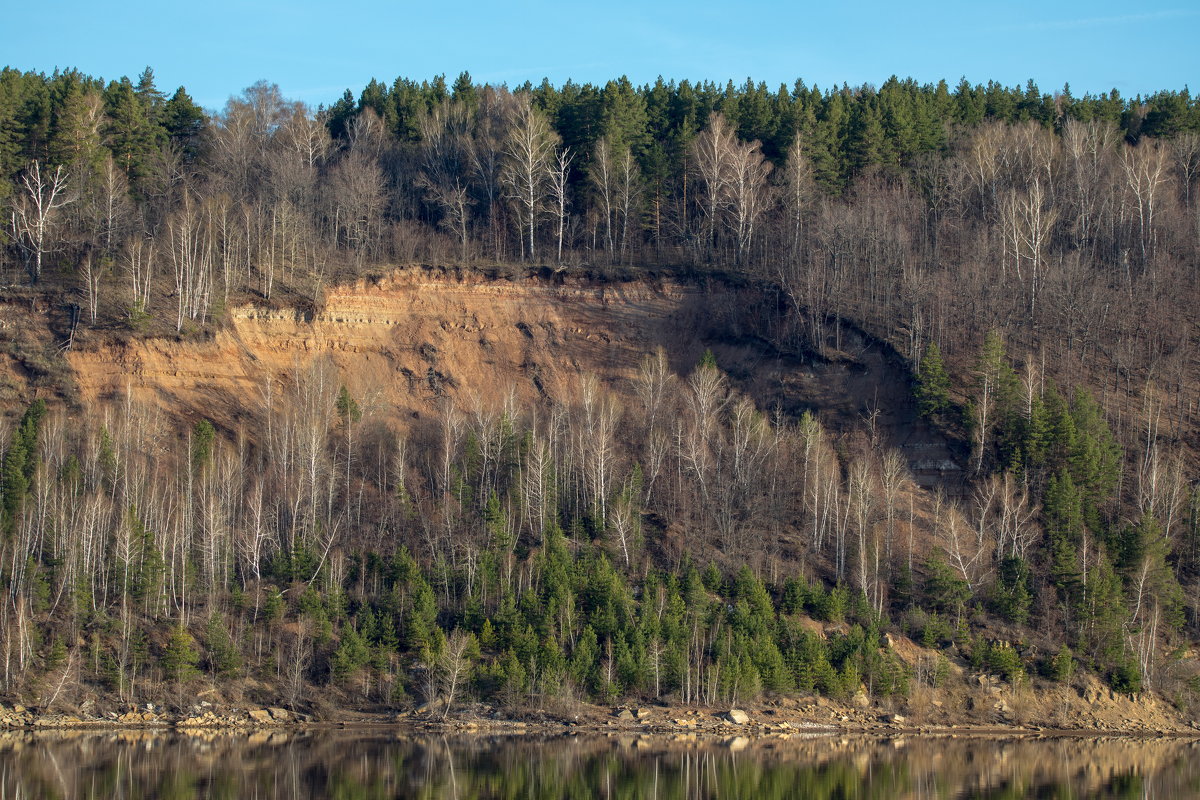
x,y
558,191
603,178
860,499
528,164
297,666
455,203
1185,149
1145,170
1031,217
306,134
243,134
191,254
112,205
92,275
139,268
624,520
983,162
43,193
965,549
1089,148
489,134
748,193
893,476
358,201
628,195
596,446
454,665
710,155
445,164
798,190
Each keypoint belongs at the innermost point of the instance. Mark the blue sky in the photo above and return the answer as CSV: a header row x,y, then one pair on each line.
x,y
314,51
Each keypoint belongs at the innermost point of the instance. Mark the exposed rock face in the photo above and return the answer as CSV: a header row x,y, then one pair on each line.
x,y
409,340
407,343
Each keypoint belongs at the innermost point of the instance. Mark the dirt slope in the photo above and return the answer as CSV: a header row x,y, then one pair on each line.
x,y
406,342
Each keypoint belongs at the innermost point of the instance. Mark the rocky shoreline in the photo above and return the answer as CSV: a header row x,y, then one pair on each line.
x,y
783,718
206,716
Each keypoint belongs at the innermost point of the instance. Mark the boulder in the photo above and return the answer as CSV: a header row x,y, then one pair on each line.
x,y
430,706
737,716
259,715
279,714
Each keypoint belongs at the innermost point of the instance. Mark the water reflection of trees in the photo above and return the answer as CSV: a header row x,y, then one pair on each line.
x,y
383,764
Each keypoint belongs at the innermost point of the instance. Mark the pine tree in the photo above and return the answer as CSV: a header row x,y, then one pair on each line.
x,y
865,141
132,135
76,128
1095,457
1011,596
223,657
20,464
1062,514
933,384
184,123
180,656
352,653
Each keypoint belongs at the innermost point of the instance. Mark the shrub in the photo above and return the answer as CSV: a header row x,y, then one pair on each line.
x,y
1061,665
1126,678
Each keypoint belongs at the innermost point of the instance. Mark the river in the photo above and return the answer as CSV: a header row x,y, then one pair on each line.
x,y
390,763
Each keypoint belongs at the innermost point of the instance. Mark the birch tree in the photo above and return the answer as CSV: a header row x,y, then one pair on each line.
x,y
41,193
558,191
628,196
445,163
1145,170
603,180
748,195
526,173
710,158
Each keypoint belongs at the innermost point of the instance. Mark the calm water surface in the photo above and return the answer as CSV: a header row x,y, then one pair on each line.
x,y
379,763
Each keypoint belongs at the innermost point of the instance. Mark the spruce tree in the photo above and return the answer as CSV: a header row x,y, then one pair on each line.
x,y
933,384
180,656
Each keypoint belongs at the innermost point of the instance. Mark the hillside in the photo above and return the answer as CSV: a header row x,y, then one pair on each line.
x,y
721,396
492,372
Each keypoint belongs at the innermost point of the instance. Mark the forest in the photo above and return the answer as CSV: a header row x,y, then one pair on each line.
x,y
1031,257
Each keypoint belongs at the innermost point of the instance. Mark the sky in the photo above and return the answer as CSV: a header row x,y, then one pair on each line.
x,y
315,51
